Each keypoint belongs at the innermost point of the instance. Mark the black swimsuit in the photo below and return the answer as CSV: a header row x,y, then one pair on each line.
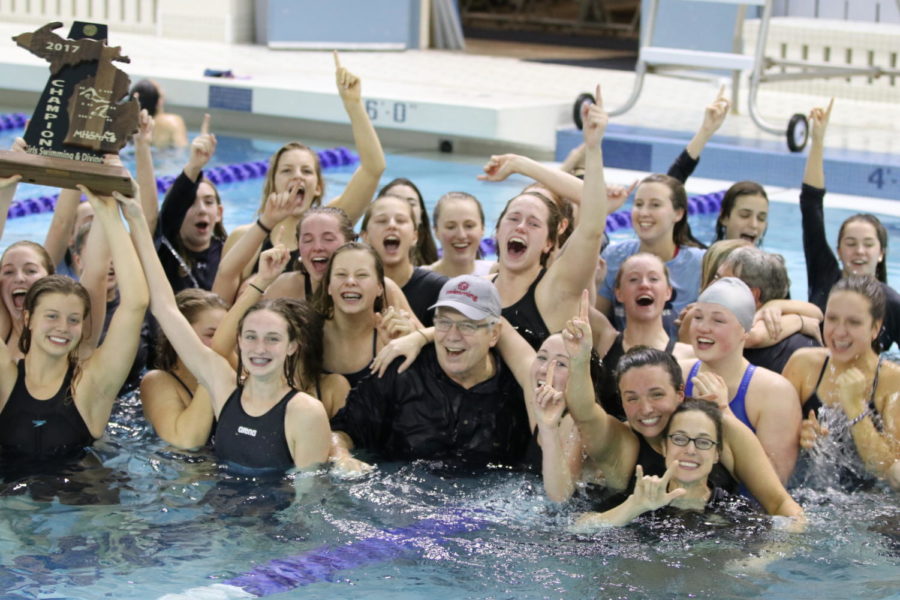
x,y
525,317
253,444
815,403
357,376
42,429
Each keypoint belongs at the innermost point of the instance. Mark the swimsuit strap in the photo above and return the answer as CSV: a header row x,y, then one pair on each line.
x,y
689,385
307,286
670,346
374,343
183,384
821,374
745,382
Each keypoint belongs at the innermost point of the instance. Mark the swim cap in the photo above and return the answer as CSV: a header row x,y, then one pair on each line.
x,y
733,294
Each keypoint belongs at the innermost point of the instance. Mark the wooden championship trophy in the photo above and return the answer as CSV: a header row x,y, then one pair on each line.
x,y
82,114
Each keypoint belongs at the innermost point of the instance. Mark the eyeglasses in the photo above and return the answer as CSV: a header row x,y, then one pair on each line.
x,y
700,443
443,324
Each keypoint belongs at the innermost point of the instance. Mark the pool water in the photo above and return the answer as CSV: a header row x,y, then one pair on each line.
x,y
169,522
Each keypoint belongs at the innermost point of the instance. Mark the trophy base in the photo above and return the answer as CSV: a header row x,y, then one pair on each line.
x,y
65,173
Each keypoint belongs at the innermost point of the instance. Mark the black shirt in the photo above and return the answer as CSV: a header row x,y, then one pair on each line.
x,y
423,414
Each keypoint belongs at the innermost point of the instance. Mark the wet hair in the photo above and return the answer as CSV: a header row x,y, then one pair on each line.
x,y
872,290
761,270
192,303
554,215
566,208
459,196
665,269
681,234
345,225
425,251
219,233
323,301
42,253
304,327
366,217
148,95
707,408
880,232
56,284
714,256
269,185
741,188
644,356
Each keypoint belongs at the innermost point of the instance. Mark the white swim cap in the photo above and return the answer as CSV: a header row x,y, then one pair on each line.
x,y
733,294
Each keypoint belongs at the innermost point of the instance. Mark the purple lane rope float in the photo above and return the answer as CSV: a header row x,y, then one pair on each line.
x,y
699,204
12,121
329,159
323,564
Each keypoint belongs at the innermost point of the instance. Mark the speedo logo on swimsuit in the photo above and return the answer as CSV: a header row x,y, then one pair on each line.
x,y
247,431
38,422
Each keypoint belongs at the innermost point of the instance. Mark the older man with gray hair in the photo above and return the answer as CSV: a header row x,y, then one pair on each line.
x,y
458,401
786,325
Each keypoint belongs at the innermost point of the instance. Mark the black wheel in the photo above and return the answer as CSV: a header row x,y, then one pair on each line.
x,y
797,132
576,108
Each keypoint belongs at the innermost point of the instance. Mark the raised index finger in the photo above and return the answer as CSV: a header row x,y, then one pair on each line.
x,y
828,110
584,306
204,128
598,99
721,95
337,59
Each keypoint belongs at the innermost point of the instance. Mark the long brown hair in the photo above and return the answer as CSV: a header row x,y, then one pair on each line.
x,y
269,186
425,251
880,232
681,234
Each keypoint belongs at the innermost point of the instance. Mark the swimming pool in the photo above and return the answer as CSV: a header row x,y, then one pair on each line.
x,y
163,522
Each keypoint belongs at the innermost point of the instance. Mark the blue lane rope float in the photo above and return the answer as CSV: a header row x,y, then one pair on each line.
x,y
324,563
329,159
12,121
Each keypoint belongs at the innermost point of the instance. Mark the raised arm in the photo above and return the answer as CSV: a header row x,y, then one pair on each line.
x,y
183,192
248,240
95,257
364,182
211,370
822,267
561,454
606,440
650,493
60,232
567,277
271,264
8,186
104,374
143,142
713,117
561,183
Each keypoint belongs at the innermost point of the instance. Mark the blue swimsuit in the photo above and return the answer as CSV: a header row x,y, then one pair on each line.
x,y
737,403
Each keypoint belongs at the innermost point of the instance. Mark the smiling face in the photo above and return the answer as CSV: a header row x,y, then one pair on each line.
x,y
649,398
298,168
459,229
390,230
748,219
264,343
56,323
320,236
715,332
20,268
464,358
199,223
553,349
523,234
354,284
859,248
849,328
642,287
653,215
691,464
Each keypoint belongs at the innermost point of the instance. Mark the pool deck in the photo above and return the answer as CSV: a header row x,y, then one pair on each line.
x,y
483,104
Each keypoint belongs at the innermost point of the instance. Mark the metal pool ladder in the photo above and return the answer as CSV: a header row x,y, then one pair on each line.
x,y
659,59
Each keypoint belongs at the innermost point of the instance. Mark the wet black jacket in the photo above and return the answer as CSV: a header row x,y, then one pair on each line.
x,y
423,414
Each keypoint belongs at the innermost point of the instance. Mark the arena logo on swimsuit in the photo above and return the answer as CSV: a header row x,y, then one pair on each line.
x,y
246,431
